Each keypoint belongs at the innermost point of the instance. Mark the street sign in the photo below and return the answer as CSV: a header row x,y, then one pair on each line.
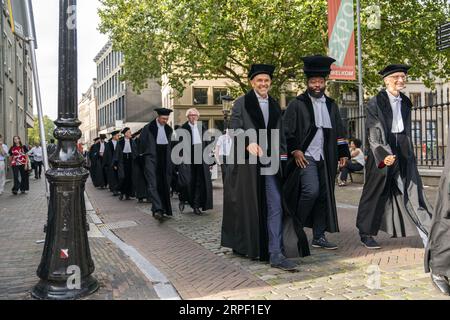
x,y
443,36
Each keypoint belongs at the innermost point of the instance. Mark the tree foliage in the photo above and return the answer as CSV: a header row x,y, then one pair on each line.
x,y
33,133
186,40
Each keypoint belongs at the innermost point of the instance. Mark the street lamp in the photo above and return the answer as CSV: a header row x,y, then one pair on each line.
x,y
66,265
227,104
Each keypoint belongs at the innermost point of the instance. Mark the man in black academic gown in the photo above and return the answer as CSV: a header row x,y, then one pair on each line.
x,y
252,209
110,163
316,141
96,168
139,182
392,199
437,254
155,148
198,191
124,156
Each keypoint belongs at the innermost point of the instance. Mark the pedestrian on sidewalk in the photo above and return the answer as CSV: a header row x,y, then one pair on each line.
x,y
355,164
252,209
316,143
197,191
51,148
3,158
437,253
96,168
155,148
110,163
124,156
222,150
139,181
20,165
36,153
392,199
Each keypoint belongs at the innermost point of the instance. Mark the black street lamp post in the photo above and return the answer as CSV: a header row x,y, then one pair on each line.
x,y
227,104
66,266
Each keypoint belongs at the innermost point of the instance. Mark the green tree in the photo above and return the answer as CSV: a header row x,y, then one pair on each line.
x,y
33,133
186,40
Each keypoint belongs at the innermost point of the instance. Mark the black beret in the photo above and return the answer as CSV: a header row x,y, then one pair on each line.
x,y
256,69
317,66
393,68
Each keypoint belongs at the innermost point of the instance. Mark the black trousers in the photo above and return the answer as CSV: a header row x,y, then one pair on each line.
x,y
21,181
126,186
197,184
37,169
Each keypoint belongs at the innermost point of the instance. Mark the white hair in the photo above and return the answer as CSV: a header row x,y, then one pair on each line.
x,y
192,110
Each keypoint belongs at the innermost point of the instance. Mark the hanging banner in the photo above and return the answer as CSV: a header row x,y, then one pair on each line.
x,y
341,39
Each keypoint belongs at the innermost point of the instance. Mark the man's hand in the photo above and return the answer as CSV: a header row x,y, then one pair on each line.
x,y
300,159
255,150
390,160
115,168
343,162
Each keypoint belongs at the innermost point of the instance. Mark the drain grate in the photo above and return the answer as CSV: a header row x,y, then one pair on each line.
x,y
120,225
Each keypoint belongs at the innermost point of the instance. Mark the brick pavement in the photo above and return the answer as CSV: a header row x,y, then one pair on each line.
x,y
187,249
21,224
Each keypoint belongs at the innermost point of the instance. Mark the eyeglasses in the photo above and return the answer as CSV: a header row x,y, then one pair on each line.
x,y
398,77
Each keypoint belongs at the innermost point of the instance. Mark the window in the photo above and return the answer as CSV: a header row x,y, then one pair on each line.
x,y
218,93
416,133
430,98
431,131
200,96
415,99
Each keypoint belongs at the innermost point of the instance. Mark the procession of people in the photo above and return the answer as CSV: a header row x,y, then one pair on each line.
x,y
283,177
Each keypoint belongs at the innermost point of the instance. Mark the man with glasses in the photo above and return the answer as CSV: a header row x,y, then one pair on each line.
x,y
392,199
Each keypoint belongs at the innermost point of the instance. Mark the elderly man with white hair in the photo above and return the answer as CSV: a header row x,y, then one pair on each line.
x,y
198,191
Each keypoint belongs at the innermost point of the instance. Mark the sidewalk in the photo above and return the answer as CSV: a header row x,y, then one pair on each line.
x,y
22,219
186,248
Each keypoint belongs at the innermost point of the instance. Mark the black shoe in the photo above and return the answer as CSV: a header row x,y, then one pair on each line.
x,y
14,193
441,283
127,197
238,253
181,206
121,197
115,194
158,215
324,244
140,200
23,192
281,262
197,211
370,243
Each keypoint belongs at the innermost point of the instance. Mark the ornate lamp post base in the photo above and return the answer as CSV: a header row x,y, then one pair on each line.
x,y
56,290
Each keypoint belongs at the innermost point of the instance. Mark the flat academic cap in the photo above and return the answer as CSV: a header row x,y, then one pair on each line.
x,y
96,139
136,133
317,66
163,111
124,130
393,68
103,136
256,69
115,132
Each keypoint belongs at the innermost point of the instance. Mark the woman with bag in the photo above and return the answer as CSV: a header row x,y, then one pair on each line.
x,y
19,162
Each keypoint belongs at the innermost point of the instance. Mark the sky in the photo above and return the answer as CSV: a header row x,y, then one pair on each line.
x,y
90,42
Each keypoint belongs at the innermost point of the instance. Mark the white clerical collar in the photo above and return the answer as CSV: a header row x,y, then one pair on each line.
x,y
159,124
192,125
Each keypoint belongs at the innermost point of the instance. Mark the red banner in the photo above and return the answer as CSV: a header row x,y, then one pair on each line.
x,y
341,39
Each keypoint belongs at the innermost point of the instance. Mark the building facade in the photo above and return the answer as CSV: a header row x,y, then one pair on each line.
x,y
87,114
118,106
16,88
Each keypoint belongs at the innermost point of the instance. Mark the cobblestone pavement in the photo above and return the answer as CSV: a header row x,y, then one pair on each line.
x,y
187,249
22,219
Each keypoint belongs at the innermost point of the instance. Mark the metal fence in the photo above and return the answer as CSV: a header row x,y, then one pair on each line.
x,y
429,129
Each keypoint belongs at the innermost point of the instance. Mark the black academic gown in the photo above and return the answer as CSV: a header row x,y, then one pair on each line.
x,y
139,182
392,199
300,130
96,168
188,188
157,166
109,162
244,224
125,168
437,253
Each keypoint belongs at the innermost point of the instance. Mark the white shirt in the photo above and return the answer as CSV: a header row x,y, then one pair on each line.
x,y
162,138
322,120
264,105
397,120
195,134
5,150
37,153
114,142
127,147
102,147
360,157
224,144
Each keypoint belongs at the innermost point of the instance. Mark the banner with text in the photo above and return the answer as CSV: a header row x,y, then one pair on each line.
x,y
341,37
